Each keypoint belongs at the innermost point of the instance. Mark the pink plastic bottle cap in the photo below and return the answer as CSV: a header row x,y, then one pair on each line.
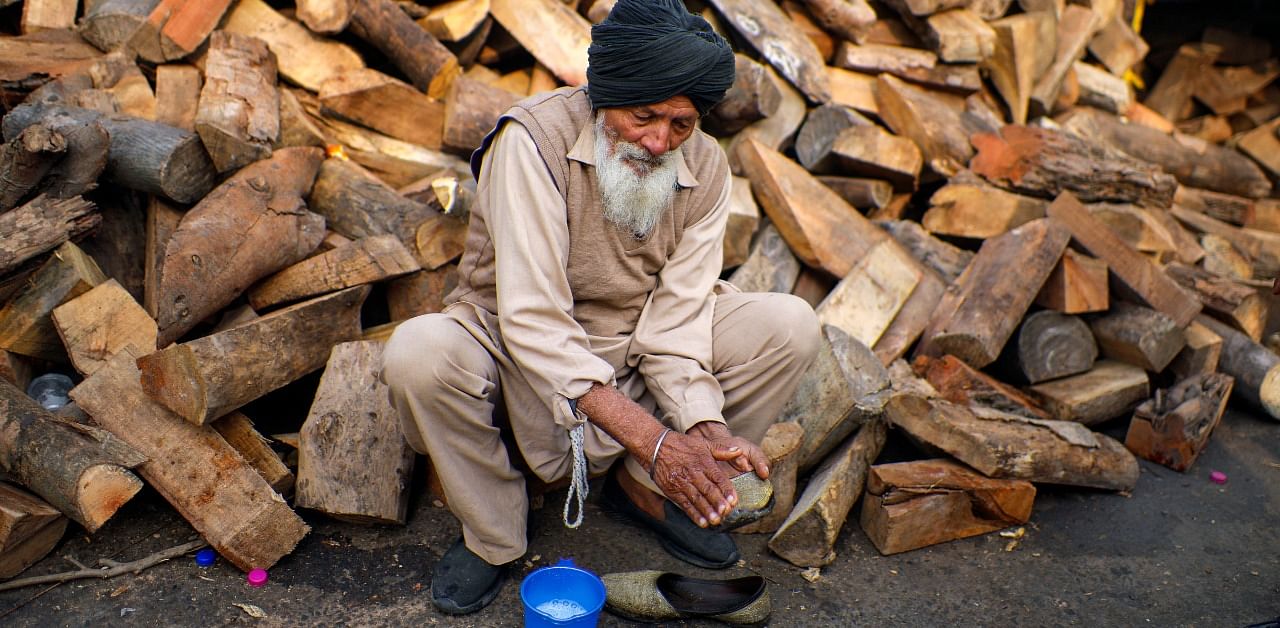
x,y
257,577
1218,477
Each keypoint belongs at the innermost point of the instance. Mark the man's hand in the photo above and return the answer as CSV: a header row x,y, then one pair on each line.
x,y
687,470
743,454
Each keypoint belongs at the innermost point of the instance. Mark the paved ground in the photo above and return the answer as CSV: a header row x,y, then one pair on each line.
x,y
1181,551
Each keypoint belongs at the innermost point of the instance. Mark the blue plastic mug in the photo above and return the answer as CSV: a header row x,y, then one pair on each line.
x,y
561,595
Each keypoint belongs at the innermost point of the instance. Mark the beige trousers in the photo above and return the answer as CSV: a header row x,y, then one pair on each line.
x,y
449,372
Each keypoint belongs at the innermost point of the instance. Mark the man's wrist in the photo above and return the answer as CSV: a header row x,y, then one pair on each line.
x,y
710,428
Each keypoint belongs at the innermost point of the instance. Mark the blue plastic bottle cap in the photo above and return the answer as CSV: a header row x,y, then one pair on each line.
x,y
206,557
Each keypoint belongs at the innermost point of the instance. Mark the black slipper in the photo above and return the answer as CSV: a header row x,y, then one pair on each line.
x,y
679,535
463,583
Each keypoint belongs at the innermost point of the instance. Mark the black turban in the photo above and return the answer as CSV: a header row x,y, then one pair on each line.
x,y
647,51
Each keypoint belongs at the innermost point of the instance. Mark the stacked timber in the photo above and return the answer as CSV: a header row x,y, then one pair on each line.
x,y
1017,222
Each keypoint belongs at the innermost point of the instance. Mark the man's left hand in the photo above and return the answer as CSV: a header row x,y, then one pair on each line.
x,y
741,453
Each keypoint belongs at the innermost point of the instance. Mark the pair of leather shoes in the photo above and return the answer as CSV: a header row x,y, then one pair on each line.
x,y
653,596
463,583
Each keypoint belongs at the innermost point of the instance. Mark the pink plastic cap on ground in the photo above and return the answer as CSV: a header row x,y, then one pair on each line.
x,y
1218,477
257,577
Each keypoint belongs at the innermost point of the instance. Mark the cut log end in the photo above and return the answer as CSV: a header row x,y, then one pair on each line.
x,y
1269,392
102,490
184,395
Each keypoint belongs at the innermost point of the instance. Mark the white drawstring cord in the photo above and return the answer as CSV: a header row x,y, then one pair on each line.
x,y
578,484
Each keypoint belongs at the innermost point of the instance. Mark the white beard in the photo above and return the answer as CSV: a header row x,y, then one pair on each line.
x,y
633,201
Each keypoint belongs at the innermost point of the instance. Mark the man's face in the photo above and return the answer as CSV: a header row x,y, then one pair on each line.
x,y
637,152
658,128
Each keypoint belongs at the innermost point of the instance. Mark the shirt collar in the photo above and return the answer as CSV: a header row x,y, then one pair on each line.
x,y
584,151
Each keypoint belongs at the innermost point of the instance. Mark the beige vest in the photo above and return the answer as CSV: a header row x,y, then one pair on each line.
x,y
610,272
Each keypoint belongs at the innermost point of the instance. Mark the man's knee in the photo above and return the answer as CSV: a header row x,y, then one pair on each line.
x,y
434,354
793,326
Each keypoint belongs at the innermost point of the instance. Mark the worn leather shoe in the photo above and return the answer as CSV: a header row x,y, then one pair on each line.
x,y
679,535
463,583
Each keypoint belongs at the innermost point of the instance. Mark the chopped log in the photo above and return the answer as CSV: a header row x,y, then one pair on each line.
x,y
1078,284
1173,427
847,19
942,258
26,327
1187,247
239,114
302,58
101,323
119,244
162,221
1025,46
910,505
926,119
1109,390
818,135
177,95
237,430
962,384
1253,81
808,536
1193,162
109,23
364,261
1263,145
83,158
1102,89
1255,368
422,58
969,208
1232,303
451,21
16,369
144,155
910,64
46,53
554,34
800,16
1118,47
752,97
327,17
771,266
890,31
854,90
1219,93
1138,335
813,286
1171,95
1136,227
26,159
471,110
861,193
874,152
958,36
895,209
1225,207
1266,215
744,217
965,323
867,300
912,319
1076,25
194,468
387,105
846,387
1237,48
780,42
1008,446
1222,257
212,256
777,130
29,529
1210,128
1201,353
353,462
420,293
176,28
1262,247
1143,115
1053,345
297,128
781,444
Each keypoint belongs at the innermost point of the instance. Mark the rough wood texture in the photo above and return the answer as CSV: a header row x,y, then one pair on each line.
x,y
1236,210
29,528
1025,45
1261,247
1009,446
1076,25
455,20
386,105
808,536
873,152
1052,345
1173,427
206,378
1101,89
1201,353
1129,266
239,114
777,130
958,36
77,167
909,64
162,220
51,53
211,257
422,58
1263,145
194,468
847,19
821,127
353,463
26,327
471,110
865,302
419,293
100,323
928,120
25,160
176,28
554,34
744,217
972,209
1171,95
144,155
861,193
363,261
109,23
962,384
1255,368
177,95
1118,47
966,324
1137,228
327,17
910,505
80,470
781,43
1138,335
1108,390
237,430
942,258
854,90
752,97
38,227
781,445
1235,304
771,267
303,58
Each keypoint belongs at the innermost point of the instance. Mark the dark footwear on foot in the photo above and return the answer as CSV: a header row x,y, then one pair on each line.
x,y
679,535
654,596
462,582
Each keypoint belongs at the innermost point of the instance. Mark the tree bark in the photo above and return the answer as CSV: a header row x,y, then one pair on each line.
x,y
109,23
962,384
25,160
40,226
239,114
26,326
428,64
364,261
1173,427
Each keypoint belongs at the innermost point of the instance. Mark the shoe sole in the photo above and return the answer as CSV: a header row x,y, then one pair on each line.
x,y
449,607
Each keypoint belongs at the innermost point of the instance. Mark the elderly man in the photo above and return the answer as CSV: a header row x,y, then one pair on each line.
x,y
589,308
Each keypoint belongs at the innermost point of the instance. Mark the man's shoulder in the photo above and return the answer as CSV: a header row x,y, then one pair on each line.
x,y
563,106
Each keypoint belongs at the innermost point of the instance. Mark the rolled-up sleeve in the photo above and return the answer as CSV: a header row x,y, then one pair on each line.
x,y
672,342
527,221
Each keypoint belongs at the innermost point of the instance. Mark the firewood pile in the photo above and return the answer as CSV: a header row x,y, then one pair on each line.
x,y
1008,236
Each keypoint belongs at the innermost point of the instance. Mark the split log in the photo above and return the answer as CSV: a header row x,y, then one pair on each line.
x,y
553,33
781,445
771,267
818,135
1109,390
302,58
847,19
928,120
912,319
211,258
429,65
910,505
420,293
962,384
942,258
16,369
471,110
1266,215
1002,445
353,462
808,536
176,28
846,387
26,159
162,221
1201,353
177,95
206,378
1053,345
144,155
29,529
865,302
26,327
364,261
1173,427
854,90
744,217
958,36
1141,114
386,105
108,24
297,128
969,208
1138,335
1187,248
1171,95
780,42
1118,47
239,114
1136,228
1045,163
1102,89
1234,304
237,430
752,97
861,193
327,17
909,64
777,130
46,53
1210,128
874,152
1224,258
76,155
452,21
1261,247
1025,46
1076,26
965,324
1130,267
101,323
80,470
1255,368
1225,207
1219,93
1078,284
1263,145
194,468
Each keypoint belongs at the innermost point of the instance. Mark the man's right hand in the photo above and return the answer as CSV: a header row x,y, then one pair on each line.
x,y
687,469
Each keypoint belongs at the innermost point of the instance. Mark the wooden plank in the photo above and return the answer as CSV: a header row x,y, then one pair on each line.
x,y
239,114
962,384
176,28
237,430
194,468
363,261
780,42
1078,284
1025,45
100,323
1053,345
554,34
26,325
177,95
1109,390
304,59
387,105
866,301
969,208
1173,427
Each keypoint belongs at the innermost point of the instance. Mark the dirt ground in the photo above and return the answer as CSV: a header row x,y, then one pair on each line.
x,y
1181,551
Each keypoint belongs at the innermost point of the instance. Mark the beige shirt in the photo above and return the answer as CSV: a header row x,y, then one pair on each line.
x,y
670,344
